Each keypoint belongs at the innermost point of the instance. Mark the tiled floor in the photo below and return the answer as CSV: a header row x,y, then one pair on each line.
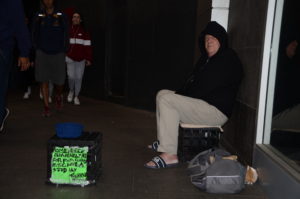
x,y
126,133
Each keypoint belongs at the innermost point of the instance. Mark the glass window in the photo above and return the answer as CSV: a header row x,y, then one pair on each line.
x,y
282,124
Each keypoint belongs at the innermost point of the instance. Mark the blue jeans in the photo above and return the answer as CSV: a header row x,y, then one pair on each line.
x,y
5,65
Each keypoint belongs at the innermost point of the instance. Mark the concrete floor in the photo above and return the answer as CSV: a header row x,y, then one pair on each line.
x,y
126,133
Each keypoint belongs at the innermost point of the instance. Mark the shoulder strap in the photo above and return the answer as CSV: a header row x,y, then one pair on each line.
x,y
199,163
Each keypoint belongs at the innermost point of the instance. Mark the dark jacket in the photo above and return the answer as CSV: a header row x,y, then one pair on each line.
x,y
50,32
216,79
12,26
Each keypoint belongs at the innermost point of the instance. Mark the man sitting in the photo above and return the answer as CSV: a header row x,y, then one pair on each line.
x,y
207,97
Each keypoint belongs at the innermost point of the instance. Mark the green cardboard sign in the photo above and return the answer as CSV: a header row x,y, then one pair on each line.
x,y
69,165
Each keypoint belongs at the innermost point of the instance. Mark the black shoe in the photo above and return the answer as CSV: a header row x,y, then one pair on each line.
x,y
3,121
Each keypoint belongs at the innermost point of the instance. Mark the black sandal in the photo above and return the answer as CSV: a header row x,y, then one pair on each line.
x,y
160,163
154,145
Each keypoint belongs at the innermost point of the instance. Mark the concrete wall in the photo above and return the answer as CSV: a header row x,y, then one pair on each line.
x,y
246,35
161,37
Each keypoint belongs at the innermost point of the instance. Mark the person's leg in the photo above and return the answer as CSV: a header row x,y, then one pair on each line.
x,y
28,79
59,96
172,109
79,71
31,79
43,70
158,98
41,93
59,89
25,83
5,64
71,75
58,78
167,157
45,92
71,78
51,88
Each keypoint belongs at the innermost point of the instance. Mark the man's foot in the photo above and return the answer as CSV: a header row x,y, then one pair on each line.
x,y
59,102
168,160
46,112
6,113
27,93
76,101
50,100
70,96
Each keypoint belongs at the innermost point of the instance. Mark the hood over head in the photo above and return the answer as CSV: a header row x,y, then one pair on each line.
x,y
216,30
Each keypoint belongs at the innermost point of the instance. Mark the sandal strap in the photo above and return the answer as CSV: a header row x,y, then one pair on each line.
x,y
155,145
159,162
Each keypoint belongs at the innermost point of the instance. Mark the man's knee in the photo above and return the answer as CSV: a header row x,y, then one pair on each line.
x,y
167,98
162,93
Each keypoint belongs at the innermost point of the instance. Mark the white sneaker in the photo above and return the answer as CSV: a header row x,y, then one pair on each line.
x,y
26,95
50,99
70,96
76,101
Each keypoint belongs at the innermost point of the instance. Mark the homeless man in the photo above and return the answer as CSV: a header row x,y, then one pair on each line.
x,y
207,97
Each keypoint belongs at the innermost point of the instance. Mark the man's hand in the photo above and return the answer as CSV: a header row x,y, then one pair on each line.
x,y
88,63
291,49
23,63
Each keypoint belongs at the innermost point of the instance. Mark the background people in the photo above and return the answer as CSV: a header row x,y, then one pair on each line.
x,y
207,98
50,38
78,56
12,27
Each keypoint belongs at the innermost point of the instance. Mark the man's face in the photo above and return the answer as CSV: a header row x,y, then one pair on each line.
x,y
212,45
76,19
48,3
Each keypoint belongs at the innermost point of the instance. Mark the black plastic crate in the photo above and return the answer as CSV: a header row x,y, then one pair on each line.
x,y
74,161
192,141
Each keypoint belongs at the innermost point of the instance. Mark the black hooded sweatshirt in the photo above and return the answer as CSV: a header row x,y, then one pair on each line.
x,y
216,79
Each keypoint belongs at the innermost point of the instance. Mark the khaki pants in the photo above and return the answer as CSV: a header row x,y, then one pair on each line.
x,y
172,108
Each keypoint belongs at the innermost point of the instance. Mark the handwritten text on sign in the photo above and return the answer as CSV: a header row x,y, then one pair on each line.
x,y
69,165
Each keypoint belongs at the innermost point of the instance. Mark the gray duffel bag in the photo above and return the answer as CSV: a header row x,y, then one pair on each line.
x,y
216,171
